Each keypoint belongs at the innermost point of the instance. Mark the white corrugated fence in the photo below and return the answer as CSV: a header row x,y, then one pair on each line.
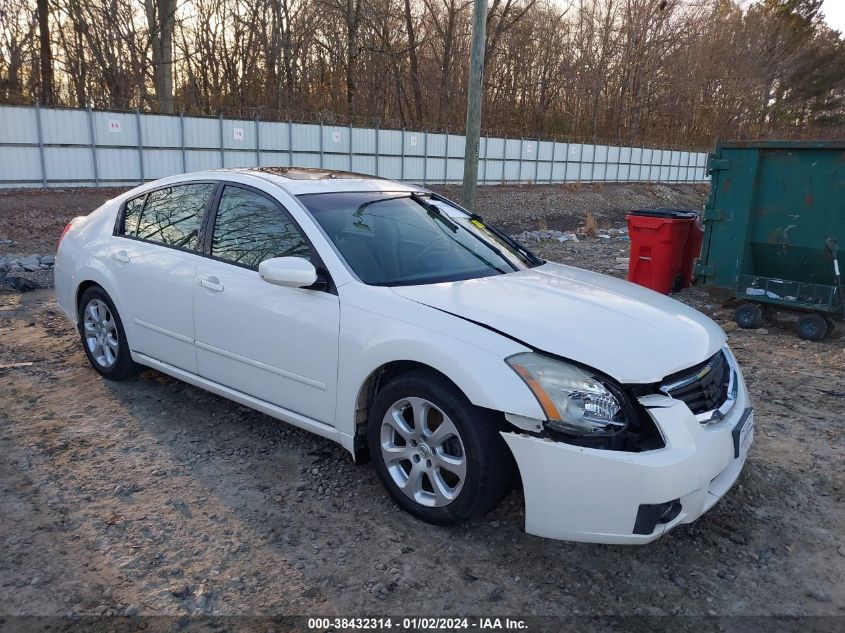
x,y
63,147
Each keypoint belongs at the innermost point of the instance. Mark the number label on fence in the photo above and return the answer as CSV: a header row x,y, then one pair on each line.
x,y
238,133
114,126
335,137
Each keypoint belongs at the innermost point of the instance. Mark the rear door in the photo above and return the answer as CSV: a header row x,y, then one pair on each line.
x,y
274,343
154,258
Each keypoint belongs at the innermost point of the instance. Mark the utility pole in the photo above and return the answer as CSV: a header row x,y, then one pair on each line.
x,y
474,99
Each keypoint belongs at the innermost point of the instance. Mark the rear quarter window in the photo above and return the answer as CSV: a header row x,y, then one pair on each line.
x,y
131,215
173,215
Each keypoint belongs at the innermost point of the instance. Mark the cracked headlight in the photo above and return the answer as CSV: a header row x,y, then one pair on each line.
x,y
574,401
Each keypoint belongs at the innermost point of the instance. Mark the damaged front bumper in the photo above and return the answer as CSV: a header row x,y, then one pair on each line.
x,y
602,496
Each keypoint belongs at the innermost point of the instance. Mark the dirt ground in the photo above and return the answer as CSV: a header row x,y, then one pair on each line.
x,y
151,497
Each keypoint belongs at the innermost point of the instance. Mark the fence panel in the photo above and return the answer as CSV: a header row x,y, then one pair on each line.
x,y
75,147
161,131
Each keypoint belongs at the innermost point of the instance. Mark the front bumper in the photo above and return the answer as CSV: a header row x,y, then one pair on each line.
x,y
583,494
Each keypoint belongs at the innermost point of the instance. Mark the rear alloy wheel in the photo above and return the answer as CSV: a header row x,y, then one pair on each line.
x,y
103,338
440,458
100,331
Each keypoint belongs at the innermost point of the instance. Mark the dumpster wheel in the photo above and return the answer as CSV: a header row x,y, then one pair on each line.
x,y
812,327
749,316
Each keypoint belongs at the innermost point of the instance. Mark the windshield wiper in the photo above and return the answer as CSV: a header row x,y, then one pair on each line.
x,y
478,256
360,210
507,239
435,213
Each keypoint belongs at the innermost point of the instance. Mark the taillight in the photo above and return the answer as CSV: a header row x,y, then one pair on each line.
x,y
64,232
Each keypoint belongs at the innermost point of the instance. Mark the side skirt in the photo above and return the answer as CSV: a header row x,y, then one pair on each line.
x,y
301,421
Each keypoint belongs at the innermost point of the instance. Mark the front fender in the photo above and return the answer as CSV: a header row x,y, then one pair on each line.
x,y
469,355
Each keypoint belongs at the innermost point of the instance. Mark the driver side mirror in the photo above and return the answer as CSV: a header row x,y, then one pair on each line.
x,y
292,272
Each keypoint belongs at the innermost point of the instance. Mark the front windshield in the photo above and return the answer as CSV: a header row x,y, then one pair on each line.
x,y
396,239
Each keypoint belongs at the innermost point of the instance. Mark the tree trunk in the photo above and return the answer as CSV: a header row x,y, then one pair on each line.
x,y
46,53
445,94
161,18
351,72
412,54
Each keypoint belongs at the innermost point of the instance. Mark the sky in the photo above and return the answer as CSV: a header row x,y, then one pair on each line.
x,y
834,14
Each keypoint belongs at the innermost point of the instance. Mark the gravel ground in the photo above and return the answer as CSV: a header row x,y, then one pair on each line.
x,y
152,497
520,207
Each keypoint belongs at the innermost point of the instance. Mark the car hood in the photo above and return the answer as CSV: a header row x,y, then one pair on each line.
x,y
626,331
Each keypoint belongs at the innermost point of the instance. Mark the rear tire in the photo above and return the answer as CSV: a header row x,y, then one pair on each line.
x,y
440,458
103,337
749,316
811,327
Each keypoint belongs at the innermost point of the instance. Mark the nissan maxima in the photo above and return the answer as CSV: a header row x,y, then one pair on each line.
x,y
386,318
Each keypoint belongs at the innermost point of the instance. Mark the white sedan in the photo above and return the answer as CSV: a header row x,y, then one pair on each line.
x,y
384,317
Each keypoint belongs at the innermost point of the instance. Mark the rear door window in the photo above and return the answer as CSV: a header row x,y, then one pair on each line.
x,y
251,228
172,216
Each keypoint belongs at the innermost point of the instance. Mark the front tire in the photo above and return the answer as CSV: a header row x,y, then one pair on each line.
x,y
103,337
440,457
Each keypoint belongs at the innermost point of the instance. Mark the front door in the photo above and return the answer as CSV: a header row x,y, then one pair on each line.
x,y
274,343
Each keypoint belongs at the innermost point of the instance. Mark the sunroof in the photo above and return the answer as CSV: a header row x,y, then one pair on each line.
x,y
306,173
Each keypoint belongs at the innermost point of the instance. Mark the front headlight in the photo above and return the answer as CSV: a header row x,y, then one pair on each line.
x,y
574,401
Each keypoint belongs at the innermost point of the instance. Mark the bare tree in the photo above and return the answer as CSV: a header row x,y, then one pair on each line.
x,y
680,72
161,19
16,45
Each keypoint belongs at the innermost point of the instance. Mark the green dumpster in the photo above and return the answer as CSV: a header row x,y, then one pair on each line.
x,y
773,223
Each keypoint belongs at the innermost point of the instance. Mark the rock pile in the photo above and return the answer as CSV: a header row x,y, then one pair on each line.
x,y
23,273
550,235
546,235
31,263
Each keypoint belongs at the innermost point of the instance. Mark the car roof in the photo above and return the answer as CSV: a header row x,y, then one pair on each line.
x,y
304,180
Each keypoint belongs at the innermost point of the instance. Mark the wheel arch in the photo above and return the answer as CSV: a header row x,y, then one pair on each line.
x,y
80,290
373,383
388,371
94,273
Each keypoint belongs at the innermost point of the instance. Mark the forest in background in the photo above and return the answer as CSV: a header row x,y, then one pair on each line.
x,y
670,73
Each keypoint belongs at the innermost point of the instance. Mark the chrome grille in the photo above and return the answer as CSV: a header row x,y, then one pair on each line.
x,y
704,388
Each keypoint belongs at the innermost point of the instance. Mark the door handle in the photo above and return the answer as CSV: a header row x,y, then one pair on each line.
x,y
211,283
121,256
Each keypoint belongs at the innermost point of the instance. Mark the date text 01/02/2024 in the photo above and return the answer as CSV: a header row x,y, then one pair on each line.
x,y
418,624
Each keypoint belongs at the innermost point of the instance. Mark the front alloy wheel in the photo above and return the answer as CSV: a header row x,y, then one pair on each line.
x,y
423,452
441,458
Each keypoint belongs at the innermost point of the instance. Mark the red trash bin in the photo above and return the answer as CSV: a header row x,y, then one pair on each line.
x,y
658,241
